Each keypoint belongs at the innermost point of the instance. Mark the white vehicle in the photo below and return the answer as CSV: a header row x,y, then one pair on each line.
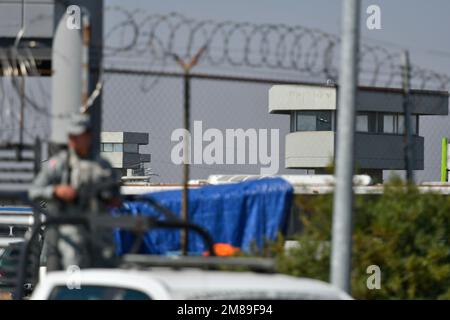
x,y
163,283
149,277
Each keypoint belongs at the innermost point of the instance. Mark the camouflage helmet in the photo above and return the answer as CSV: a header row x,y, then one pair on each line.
x,y
78,124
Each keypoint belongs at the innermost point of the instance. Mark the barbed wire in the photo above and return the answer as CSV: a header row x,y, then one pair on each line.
x,y
306,52
136,36
16,65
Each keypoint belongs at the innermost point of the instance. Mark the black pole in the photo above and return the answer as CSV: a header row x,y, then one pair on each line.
x,y
136,224
22,96
185,203
37,156
408,145
187,107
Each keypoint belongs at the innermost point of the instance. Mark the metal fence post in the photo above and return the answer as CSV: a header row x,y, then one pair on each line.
x,y
343,194
185,195
184,236
408,148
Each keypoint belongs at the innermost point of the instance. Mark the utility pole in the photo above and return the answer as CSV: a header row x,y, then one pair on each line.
x,y
408,145
343,189
186,121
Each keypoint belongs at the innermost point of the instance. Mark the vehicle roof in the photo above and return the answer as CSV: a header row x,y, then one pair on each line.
x,y
203,284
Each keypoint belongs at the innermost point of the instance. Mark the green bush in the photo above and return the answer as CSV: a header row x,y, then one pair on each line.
x,y
404,232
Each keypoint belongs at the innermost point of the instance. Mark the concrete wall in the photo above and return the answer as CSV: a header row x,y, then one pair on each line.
x,y
131,147
316,149
131,160
115,158
391,100
125,160
111,137
285,98
385,151
146,157
124,137
135,137
309,149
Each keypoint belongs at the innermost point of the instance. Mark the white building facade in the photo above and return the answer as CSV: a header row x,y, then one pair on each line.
x,y
122,150
379,137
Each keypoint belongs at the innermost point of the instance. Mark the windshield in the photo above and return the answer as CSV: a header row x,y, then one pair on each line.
x,y
97,293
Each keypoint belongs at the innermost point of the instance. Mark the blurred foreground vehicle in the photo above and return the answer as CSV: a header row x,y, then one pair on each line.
x,y
138,274
181,283
142,276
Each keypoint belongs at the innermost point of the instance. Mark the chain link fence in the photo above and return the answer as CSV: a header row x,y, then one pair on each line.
x,y
219,104
143,86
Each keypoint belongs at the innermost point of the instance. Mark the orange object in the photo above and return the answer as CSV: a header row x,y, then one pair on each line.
x,y
223,250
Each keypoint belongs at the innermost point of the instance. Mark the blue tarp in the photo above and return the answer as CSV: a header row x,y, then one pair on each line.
x,y
242,214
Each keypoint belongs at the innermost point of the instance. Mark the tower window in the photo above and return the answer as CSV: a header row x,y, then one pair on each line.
x,y
313,121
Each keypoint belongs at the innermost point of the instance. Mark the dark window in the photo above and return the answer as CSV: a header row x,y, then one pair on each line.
x,y
107,147
385,122
292,116
366,122
379,122
97,293
131,148
362,123
118,147
415,121
313,120
401,124
389,123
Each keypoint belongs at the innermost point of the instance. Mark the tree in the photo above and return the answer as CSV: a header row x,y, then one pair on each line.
x,y
404,232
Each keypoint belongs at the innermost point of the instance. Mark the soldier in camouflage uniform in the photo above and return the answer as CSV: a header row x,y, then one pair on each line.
x,y
72,184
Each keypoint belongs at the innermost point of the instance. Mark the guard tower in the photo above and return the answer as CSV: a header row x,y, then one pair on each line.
x,y
122,150
379,138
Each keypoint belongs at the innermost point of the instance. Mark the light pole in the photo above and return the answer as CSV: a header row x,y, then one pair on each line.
x,y
343,189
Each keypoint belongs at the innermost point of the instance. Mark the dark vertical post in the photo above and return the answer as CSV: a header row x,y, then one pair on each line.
x,y
37,155
187,152
21,117
408,145
22,95
95,64
186,120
